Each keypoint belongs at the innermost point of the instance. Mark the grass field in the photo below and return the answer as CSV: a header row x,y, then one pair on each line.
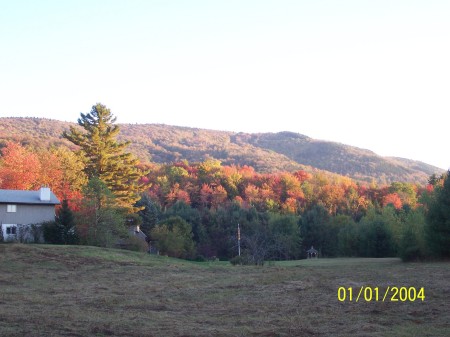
x,y
85,291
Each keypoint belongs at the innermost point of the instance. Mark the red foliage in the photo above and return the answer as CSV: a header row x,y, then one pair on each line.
x,y
392,199
19,169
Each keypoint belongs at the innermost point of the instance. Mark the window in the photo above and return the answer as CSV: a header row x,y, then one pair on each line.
x,y
11,208
11,230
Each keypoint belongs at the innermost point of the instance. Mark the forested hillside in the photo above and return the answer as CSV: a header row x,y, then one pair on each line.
x,y
191,208
266,152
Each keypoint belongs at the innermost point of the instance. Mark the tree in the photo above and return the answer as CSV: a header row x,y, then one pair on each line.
x,y
348,239
285,234
19,168
73,178
66,222
314,230
150,213
105,157
191,216
99,221
438,220
413,244
63,230
174,238
375,233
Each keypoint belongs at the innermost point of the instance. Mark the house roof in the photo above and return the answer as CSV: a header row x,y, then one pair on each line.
x,y
26,197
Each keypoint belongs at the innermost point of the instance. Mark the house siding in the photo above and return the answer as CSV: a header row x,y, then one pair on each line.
x,y
27,214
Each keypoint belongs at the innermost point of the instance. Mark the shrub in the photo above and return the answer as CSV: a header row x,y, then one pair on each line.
x,y
237,260
30,233
135,244
200,258
52,232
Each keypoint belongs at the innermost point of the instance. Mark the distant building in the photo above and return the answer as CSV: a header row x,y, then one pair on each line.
x,y
312,253
136,231
20,209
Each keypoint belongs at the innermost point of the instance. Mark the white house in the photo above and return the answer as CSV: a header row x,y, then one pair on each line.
x,y
20,209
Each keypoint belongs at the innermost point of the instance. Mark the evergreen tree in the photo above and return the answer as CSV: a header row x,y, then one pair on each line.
x,y
150,213
314,228
438,219
105,157
66,223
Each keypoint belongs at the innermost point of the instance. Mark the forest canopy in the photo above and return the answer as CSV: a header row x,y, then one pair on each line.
x,y
192,210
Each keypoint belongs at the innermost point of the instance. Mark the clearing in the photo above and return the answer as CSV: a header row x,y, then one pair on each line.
x,y
85,291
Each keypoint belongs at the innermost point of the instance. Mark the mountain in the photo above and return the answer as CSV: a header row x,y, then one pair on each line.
x,y
266,152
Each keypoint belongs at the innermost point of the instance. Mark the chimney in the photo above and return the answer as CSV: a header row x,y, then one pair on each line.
x,y
44,194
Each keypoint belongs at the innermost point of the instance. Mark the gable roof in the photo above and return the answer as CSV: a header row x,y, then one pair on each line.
x,y
26,197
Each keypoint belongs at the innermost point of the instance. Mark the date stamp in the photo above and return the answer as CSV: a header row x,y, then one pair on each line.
x,y
376,294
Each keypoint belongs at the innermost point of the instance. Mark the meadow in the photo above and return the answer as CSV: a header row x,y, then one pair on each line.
x,y
86,291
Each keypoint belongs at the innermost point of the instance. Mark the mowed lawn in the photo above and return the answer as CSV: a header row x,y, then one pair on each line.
x,y
85,291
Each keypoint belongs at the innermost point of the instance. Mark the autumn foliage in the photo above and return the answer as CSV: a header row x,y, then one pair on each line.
x,y
280,213
207,184
23,168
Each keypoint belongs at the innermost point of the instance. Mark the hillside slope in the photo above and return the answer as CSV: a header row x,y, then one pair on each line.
x,y
266,152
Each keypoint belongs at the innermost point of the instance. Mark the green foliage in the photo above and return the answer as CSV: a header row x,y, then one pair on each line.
x,y
150,213
376,239
244,260
348,236
99,221
285,236
406,191
173,237
438,219
51,232
213,198
237,260
66,221
413,241
134,243
105,156
317,230
191,216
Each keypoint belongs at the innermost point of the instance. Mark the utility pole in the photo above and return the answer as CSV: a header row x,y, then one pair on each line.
x,y
239,240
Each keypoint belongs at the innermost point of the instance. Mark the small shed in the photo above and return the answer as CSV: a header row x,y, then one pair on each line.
x,y
312,253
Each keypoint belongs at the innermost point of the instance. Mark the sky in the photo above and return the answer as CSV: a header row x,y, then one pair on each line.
x,y
372,74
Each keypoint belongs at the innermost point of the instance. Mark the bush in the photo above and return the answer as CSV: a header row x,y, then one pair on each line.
x,y
30,233
57,233
52,232
200,258
135,244
237,260
245,260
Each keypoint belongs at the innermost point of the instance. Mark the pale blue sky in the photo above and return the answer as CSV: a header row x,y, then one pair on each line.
x,y
374,74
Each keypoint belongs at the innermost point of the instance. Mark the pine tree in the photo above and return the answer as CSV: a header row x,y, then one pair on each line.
x,y
66,223
105,157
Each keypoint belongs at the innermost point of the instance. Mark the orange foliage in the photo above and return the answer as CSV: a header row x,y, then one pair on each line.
x,y
392,199
19,168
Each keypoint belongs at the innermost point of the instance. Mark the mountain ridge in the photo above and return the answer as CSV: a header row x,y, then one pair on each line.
x,y
266,152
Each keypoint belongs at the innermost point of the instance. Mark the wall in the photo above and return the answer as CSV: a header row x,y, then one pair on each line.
x,y
27,214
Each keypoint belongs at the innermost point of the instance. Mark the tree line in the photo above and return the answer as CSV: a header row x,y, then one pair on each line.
x,y
191,210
